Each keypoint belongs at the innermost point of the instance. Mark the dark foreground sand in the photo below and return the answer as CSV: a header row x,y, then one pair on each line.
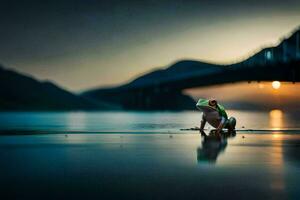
x,y
149,166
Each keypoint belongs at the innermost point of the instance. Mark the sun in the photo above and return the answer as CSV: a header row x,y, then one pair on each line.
x,y
276,85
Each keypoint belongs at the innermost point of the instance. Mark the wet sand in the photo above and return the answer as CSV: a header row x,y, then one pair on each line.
x,y
150,166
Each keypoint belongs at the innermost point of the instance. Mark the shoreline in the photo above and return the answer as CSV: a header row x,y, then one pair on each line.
x,y
13,132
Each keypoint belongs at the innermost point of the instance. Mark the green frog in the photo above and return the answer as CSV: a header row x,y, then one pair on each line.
x,y
215,114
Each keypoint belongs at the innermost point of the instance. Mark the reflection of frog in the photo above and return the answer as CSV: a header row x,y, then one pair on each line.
x,y
215,115
211,147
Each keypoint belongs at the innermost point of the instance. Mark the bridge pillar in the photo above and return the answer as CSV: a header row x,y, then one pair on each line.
x,y
284,52
269,55
298,45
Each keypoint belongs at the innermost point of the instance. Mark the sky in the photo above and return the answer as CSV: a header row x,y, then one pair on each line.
x,y
85,44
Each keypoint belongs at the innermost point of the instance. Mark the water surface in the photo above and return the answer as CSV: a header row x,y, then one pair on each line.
x,y
139,121
165,163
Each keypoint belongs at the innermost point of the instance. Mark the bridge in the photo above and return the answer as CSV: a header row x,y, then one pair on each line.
x,y
152,91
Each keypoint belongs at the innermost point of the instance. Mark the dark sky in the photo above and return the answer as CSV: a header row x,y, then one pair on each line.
x,y
88,43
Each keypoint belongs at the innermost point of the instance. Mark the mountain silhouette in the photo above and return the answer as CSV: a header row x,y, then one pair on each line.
x,y
21,92
178,70
157,99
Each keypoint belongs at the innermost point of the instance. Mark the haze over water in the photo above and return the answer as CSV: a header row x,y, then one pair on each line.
x,y
167,122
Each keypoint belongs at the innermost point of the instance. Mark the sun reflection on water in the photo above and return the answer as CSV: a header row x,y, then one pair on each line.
x,y
276,119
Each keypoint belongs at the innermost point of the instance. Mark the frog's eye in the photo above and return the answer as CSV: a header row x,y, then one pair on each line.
x,y
212,102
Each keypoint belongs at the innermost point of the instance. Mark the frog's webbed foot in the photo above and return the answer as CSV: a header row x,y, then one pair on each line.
x,y
202,133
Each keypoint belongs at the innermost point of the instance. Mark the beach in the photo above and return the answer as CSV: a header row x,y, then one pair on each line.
x,y
150,166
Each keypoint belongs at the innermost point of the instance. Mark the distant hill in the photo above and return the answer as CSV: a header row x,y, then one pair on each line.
x,y
20,92
156,99
178,70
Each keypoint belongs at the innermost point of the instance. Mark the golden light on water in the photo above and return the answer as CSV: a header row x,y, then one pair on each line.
x,y
276,135
276,113
276,119
276,85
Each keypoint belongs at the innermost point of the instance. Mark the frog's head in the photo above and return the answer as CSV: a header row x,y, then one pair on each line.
x,y
207,105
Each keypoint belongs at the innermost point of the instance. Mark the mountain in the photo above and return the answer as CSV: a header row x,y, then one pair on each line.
x,y
178,70
20,92
139,94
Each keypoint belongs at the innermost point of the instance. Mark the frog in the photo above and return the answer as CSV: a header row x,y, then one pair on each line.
x,y
215,114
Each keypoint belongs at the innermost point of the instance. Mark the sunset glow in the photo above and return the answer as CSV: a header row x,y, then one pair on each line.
x,y
276,85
